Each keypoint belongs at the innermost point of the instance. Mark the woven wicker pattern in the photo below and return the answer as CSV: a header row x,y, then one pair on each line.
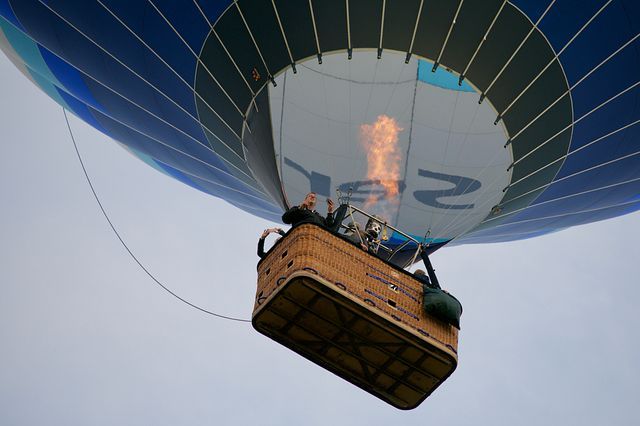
x,y
379,285
342,334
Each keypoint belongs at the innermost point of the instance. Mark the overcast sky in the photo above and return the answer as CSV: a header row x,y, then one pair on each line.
x,y
549,332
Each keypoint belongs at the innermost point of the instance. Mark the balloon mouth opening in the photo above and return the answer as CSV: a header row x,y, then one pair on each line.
x,y
409,142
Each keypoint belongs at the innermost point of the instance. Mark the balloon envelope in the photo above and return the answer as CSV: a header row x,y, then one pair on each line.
x,y
470,121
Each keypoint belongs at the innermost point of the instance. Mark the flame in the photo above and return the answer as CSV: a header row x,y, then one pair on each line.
x,y
380,141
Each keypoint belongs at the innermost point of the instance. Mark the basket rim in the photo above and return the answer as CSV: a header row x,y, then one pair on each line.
x,y
340,237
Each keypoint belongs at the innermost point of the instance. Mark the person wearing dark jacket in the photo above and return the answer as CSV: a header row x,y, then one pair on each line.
x,y
264,235
305,213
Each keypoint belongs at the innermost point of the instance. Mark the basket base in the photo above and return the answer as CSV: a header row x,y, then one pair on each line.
x,y
320,322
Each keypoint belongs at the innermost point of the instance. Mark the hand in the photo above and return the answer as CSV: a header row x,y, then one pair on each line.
x,y
268,231
330,205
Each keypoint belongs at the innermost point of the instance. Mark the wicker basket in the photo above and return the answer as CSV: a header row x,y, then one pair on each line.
x,y
354,315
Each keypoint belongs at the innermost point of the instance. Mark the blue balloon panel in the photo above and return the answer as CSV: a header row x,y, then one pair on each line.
x,y
519,120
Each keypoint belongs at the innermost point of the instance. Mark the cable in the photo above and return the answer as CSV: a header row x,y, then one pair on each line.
x,y
133,256
406,162
129,126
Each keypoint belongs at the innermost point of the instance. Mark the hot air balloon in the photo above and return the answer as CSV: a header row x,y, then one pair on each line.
x,y
459,121
258,102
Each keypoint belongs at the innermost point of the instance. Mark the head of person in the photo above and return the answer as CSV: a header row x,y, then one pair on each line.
x,y
421,274
373,228
310,200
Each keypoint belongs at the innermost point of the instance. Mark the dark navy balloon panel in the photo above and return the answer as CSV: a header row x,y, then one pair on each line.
x,y
511,119
127,69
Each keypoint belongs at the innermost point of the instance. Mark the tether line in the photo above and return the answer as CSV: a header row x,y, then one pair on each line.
x,y
133,256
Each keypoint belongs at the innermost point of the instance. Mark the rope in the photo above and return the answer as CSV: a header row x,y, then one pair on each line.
x,y
85,73
115,231
555,57
515,52
438,225
573,123
555,216
406,161
158,90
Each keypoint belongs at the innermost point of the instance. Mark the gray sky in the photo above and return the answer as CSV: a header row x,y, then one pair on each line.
x,y
550,328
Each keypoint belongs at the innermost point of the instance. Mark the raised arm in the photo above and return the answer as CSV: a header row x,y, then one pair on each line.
x,y
261,252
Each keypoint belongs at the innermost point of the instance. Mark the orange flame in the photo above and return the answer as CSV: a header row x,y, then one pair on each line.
x,y
380,140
